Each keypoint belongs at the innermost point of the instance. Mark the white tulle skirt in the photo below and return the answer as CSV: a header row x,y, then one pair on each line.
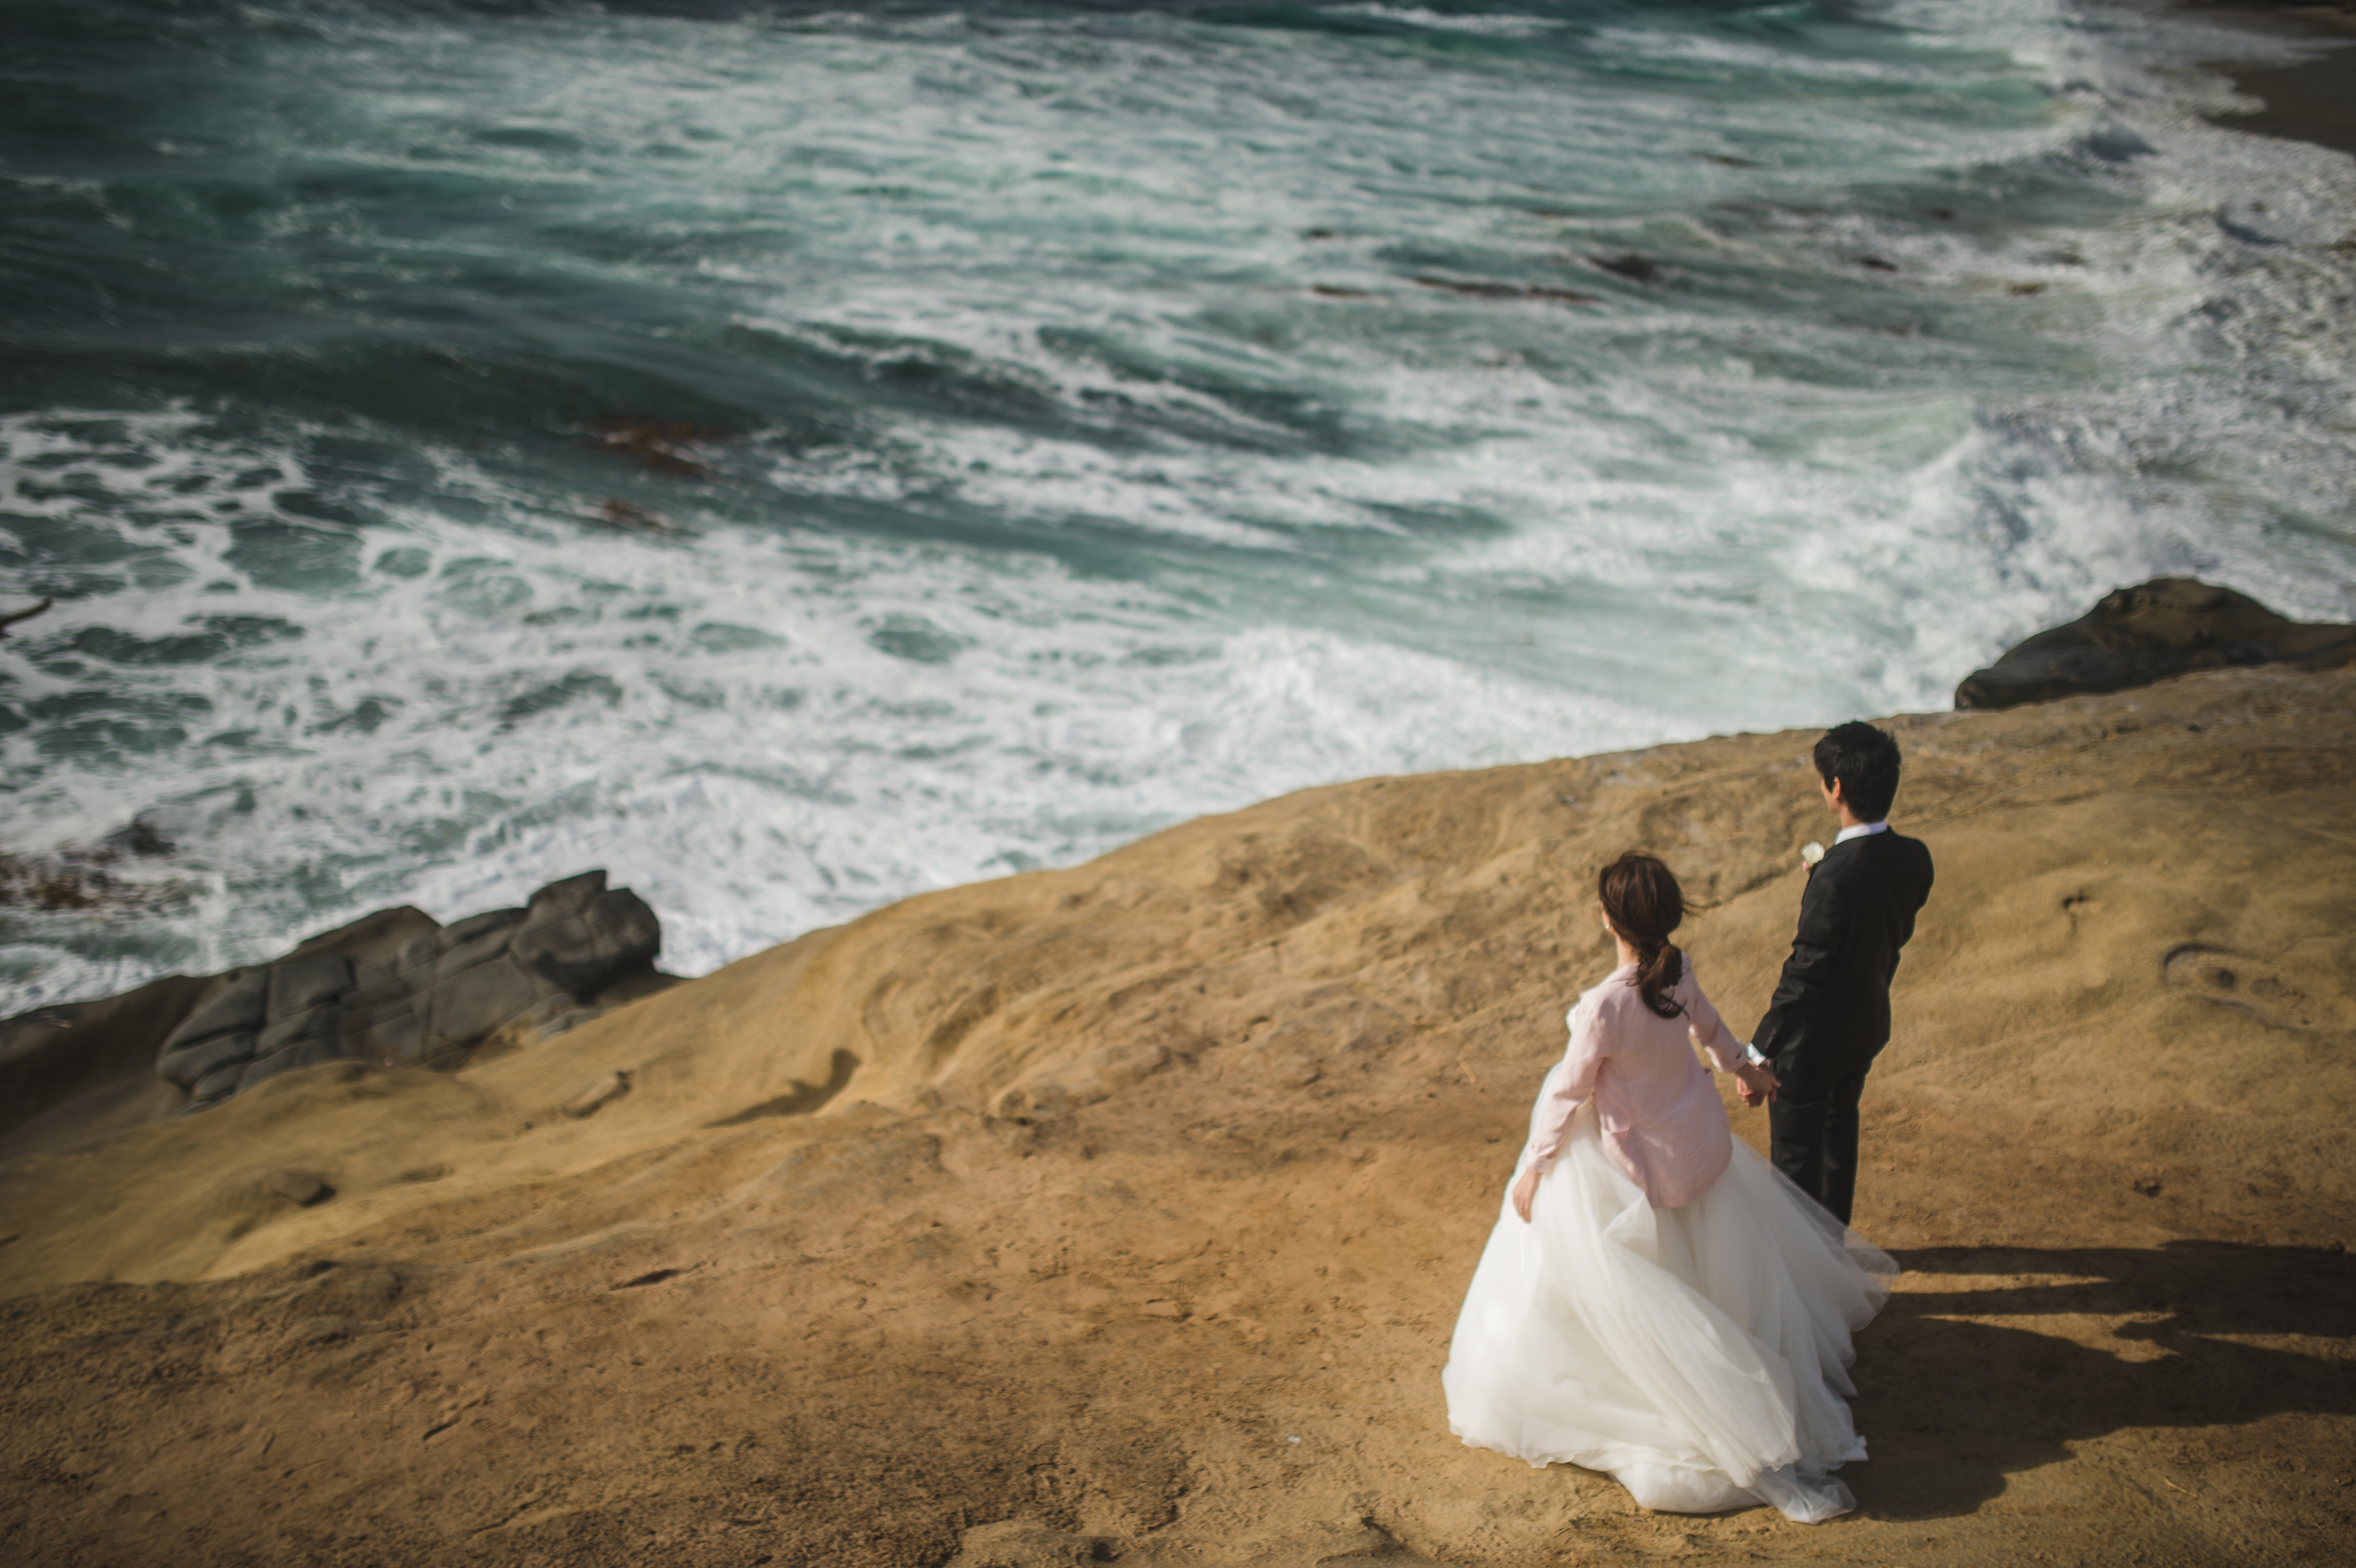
x,y
1698,1354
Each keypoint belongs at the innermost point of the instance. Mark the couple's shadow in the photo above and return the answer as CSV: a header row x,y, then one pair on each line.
x,y
1952,1407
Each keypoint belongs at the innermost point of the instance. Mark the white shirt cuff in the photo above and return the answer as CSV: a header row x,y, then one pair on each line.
x,y
1752,1052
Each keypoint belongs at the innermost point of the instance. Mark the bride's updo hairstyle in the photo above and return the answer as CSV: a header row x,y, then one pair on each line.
x,y
1642,900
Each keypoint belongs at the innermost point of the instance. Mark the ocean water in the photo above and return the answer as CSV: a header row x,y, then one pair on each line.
x,y
795,457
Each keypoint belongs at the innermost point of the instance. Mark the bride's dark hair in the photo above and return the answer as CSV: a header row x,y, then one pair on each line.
x,y
1642,900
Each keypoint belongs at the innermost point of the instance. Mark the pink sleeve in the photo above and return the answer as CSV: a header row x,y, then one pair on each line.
x,y
1708,1027
1585,1059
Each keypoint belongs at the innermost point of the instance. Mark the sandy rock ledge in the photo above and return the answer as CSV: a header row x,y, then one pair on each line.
x,y
1120,1214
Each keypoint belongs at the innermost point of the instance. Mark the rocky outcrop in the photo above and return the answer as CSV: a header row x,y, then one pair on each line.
x,y
53,1054
440,994
90,1062
2170,626
577,933
445,991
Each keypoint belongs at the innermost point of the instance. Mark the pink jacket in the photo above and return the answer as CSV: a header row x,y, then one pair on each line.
x,y
1661,1117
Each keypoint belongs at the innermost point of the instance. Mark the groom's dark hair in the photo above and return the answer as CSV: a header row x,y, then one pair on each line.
x,y
1866,762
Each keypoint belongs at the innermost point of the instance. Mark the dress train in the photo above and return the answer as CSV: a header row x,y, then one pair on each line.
x,y
1698,1354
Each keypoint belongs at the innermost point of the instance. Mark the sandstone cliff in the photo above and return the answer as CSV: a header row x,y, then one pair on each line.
x,y
1121,1212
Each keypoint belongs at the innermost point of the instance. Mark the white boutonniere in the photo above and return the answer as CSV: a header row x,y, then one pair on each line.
x,y
1811,852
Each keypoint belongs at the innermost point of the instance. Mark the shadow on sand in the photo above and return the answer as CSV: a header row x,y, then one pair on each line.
x,y
1953,1403
802,1097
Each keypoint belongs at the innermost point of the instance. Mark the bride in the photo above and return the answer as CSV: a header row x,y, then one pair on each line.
x,y
1657,1300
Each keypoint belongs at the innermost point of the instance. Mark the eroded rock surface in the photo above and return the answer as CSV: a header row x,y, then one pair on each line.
x,y
1123,1212
447,990
394,987
2168,627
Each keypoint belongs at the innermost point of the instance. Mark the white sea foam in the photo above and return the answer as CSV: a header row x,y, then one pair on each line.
x,y
1198,415
1505,26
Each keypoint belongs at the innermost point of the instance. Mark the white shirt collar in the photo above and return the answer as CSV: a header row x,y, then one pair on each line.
x,y
1859,831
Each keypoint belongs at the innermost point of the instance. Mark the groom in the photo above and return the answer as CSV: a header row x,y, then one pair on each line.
x,y
1831,1010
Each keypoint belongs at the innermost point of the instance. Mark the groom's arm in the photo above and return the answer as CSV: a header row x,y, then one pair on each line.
x,y
1807,973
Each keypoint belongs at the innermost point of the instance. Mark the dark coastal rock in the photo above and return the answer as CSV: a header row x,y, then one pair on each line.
x,y
2168,627
394,987
476,940
373,938
308,1051
465,934
111,1049
572,896
188,1064
418,952
240,1006
473,1003
579,935
218,1084
392,1033
262,1069
320,1024
60,1054
381,989
299,984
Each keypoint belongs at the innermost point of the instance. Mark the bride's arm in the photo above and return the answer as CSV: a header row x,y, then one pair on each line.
x,y
1727,1053
1583,1059
1708,1028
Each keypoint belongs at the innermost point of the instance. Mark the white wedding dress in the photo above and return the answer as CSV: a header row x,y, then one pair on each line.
x,y
1698,1354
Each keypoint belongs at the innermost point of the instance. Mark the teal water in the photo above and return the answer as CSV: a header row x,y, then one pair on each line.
x,y
795,457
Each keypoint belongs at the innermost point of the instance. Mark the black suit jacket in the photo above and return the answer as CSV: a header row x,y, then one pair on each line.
x,y
1831,1010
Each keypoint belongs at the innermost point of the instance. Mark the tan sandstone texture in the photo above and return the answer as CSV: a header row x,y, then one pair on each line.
x,y
1120,1214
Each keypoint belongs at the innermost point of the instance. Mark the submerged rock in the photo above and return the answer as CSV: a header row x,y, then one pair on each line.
x,y
2170,626
79,876
1630,266
662,446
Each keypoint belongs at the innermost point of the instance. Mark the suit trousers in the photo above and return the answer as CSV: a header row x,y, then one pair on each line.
x,y
1814,1142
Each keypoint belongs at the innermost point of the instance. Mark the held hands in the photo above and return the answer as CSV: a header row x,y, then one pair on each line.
x,y
1525,1190
1758,1082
